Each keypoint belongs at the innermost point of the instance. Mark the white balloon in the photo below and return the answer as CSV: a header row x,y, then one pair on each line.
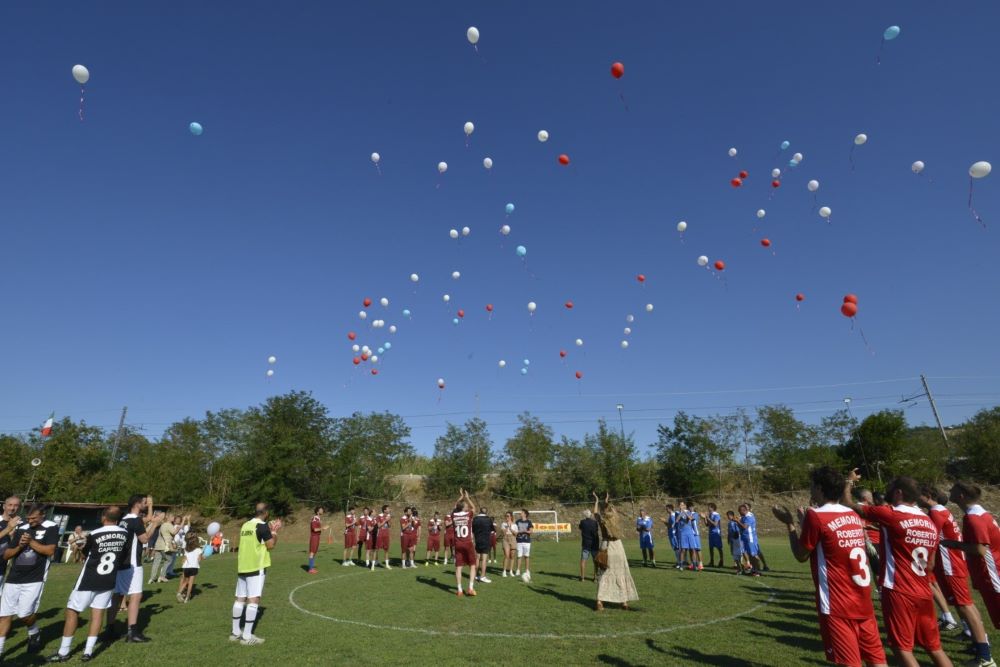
x,y
488,162
453,233
628,330
579,342
630,318
813,185
270,372
797,158
775,173
374,359
455,275
384,301
392,328
414,278
355,348
505,230
272,359
446,298
532,306
681,226
980,170
624,344
825,212
365,349
917,167
440,382
703,261
81,74
472,34
363,315
442,167
213,528
732,152
469,128
543,136
761,213
860,139
649,307
376,157
465,231
501,363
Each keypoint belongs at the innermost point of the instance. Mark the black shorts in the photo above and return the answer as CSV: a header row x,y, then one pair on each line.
x,y
483,547
191,571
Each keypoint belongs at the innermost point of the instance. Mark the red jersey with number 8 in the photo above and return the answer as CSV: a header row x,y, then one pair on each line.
x,y
835,536
911,541
462,521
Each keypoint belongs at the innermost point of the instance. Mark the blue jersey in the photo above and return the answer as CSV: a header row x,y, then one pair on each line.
x,y
734,530
695,520
644,525
683,523
716,528
748,533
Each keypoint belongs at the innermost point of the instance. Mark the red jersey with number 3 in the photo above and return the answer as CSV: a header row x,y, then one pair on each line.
x,y
910,539
462,521
951,562
835,536
980,528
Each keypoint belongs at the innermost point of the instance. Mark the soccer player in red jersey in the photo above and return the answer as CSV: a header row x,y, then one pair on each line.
x,y
873,534
465,548
405,523
316,529
910,542
367,534
449,538
433,539
350,536
414,535
981,544
383,526
952,572
833,541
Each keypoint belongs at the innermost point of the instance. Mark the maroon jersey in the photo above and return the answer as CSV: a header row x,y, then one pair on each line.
x,y
316,525
835,536
462,523
384,521
951,562
414,525
910,541
404,524
349,522
434,526
979,527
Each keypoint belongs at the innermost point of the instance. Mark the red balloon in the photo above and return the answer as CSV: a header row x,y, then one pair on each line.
x,y
720,265
351,335
736,182
356,361
562,353
850,298
461,313
800,297
374,371
766,243
569,305
776,183
489,308
579,375
849,309
743,174
564,159
364,357
641,278
367,302
617,70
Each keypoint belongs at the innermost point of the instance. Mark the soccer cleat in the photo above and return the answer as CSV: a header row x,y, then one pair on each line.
x,y
471,592
979,662
253,641
946,626
234,638
460,593
372,567
700,567
505,573
346,563
485,580
426,564
58,658
387,566
86,657
136,638
35,642
517,574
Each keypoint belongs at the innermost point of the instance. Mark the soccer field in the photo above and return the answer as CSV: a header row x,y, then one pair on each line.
x,y
352,615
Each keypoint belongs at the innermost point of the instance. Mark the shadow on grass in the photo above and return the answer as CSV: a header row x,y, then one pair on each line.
x,y
565,597
561,575
606,659
428,581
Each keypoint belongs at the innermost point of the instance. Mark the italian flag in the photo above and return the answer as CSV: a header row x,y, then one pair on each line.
x,y
47,426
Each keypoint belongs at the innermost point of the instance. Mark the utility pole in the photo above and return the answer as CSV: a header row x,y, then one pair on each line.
x,y
937,418
628,475
118,437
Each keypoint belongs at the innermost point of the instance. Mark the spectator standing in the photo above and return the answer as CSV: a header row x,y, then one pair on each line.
x,y
482,525
524,529
508,530
615,583
77,539
590,542
182,526
163,549
192,564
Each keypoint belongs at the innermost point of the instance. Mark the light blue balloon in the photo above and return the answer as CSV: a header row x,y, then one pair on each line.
x,y
524,371
785,145
509,208
527,362
892,32
454,321
521,251
406,313
388,346
381,350
793,163
207,550
196,129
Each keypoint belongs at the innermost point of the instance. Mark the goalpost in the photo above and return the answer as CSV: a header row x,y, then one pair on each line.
x,y
546,522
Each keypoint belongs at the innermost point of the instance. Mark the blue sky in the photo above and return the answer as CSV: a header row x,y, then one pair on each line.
x,y
144,266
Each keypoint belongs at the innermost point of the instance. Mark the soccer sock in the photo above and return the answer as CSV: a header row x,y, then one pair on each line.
x,y
947,617
312,563
251,617
237,614
64,647
91,644
33,630
2,640
983,651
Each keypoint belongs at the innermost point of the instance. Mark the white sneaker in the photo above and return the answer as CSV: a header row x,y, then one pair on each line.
x,y
235,638
373,567
345,564
387,566
517,574
253,641
485,580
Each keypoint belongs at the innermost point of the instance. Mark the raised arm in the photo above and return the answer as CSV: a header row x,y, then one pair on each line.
x,y
783,515
468,500
596,502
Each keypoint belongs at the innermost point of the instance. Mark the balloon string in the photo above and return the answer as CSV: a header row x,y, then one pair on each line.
x,y
851,156
865,340
378,169
878,58
82,93
815,202
621,96
975,214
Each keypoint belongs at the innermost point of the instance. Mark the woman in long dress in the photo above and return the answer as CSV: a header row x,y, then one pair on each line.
x,y
615,583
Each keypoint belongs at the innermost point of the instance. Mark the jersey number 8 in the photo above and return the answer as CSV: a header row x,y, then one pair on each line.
x,y
106,564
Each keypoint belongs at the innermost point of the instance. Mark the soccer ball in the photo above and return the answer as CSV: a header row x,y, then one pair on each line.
x,y
526,577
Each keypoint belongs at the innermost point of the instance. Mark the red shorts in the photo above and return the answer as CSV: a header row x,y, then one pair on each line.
x,y
383,540
465,553
369,543
313,543
449,539
350,539
434,542
851,641
407,541
910,621
955,589
991,599
493,540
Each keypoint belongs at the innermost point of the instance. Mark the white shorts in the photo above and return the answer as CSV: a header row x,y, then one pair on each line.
x,y
523,549
129,581
79,601
21,600
250,585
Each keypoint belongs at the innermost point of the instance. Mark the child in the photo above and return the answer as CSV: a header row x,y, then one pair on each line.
x,y
192,563
735,546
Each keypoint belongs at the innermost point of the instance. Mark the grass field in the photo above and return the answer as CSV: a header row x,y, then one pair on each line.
x,y
351,615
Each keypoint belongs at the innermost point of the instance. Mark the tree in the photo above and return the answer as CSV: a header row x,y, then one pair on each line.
x,y
979,440
462,456
783,444
16,468
685,453
526,458
73,457
616,456
876,445
575,471
369,448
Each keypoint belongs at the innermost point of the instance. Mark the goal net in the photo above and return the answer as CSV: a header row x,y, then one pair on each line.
x,y
545,524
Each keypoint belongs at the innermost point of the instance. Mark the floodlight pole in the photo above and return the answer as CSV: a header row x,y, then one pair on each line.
x,y
628,475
